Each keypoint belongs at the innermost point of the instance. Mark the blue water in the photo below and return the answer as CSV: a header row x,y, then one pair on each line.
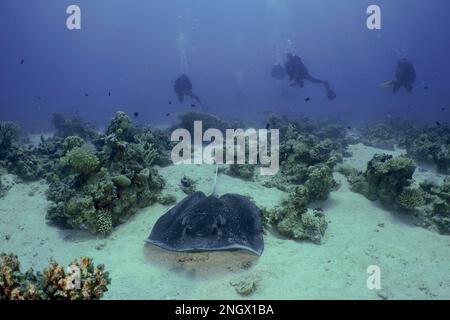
x,y
133,50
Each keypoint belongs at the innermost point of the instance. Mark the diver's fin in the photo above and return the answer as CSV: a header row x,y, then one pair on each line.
x,y
387,84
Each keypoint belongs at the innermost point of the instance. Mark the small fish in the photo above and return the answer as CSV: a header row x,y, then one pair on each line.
x,y
86,94
426,87
409,106
136,114
193,105
307,99
438,123
443,109
268,126
109,94
349,128
22,61
170,102
167,114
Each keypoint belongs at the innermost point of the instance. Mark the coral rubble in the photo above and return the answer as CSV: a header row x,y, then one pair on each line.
x,y
54,283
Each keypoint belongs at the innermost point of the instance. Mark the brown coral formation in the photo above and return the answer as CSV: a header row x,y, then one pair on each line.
x,y
81,281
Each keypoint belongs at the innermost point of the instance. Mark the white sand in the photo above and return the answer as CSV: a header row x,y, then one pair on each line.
x,y
415,262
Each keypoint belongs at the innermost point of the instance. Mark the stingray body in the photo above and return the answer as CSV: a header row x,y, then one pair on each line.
x,y
210,223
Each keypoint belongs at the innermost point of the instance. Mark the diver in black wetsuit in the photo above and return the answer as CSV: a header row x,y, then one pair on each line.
x,y
405,75
297,73
183,87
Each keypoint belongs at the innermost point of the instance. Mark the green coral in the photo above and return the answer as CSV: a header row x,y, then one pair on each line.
x,y
121,181
320,182
104,223
293,220
72,142
81,161
410,199
385,178
103,189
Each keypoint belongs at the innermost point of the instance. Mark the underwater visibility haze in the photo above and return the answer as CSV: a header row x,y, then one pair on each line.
x,y
112,115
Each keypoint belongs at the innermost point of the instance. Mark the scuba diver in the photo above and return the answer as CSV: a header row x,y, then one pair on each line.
x,y
183,87
405,75
297,73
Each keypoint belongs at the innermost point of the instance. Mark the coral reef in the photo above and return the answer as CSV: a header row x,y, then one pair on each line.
x,y
410,199
293,220
380,136
429,144
8,134
54,283
385,179
75,126
98,190
15,157
435,212
389,180
209,121
80,161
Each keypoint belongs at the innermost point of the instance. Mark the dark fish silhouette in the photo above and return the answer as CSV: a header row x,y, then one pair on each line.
x,y
443,109
109,94
167,114
200,223
438,123
268,126
193,105
86,94
426,87
22,61
349,128
307,99
170,102
136,114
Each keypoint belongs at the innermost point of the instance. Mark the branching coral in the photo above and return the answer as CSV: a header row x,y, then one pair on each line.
x,y
293,220
81,161
72,142
81,281
410,199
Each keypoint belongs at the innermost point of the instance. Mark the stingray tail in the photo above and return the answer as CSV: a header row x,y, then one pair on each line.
x,y
214,190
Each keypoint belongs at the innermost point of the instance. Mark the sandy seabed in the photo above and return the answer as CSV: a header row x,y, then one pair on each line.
x,y
414,262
